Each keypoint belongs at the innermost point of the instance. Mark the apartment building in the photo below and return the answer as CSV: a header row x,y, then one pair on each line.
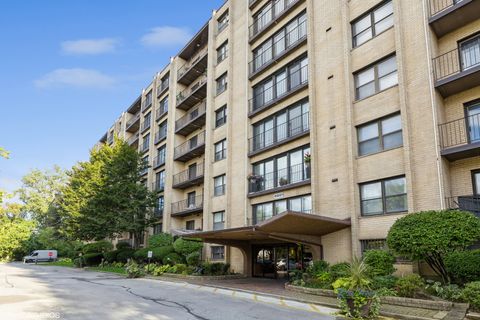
x,y
291,130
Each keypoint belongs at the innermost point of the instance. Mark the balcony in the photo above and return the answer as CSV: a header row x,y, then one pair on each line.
x,y
459,69
466,203
160,135
158,186
133,140
261,23
275,93
194,68
280,134
190,177
158,161
279,49
161,111
162,88
133,124
192,95
460,139
147,103
282,179
449,15
253,3
193,120
192,148
188,206
146,125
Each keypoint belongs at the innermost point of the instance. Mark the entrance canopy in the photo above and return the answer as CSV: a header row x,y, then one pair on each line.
x,y
289,226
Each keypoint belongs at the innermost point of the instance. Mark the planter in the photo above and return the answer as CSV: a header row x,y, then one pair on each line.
x,y
364,311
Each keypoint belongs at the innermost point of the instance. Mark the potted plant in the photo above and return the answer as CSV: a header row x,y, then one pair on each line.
x,y
283,181
255,181
307,158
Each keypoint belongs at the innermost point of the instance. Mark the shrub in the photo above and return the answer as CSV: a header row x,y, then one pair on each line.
x,y
340,270
193,259
92,259
380,262
141,255
173,258
97,247
111,256
185,247
322,280
123,245
160,240
317,267
125,254
448,292
215,269
410,286
78,262
386,292
463,266
133,270
471,294
159,270
387,282
431,235
181,268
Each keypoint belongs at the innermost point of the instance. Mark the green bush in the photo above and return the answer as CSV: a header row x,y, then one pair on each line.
x,y
387,282
141,255
340,270
134,270
185,247
193,259
159,270
215,269
78,262
125,254
380,262
173,258
97,247
410,286
451,292
317,267
160,240
471,294
463,266
111,256
123,245
92,259
322,280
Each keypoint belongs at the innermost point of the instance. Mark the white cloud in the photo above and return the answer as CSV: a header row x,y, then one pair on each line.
x,y
166,37
75,77
90,46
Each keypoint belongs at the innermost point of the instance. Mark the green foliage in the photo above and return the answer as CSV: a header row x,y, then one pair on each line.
x,y
357,279
134,270
111,256
92,259
123,245
410,285
215,269
463,266
4,153
112,269
97,247
379,282
380,262
181,268
14,232
451,292
322,280
193,259
185,247
125,254
159,270
317,267
160,240
158,254
358,304
471,294
173,258
430,235
340,270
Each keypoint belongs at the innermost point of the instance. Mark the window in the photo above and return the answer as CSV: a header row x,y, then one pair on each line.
x,y
147,120
221,150
160,180
372,23
163,107
146,163
470,53
158,228
218,220
265,211
219,185
222,22
376,78
373,244
162,131
190,225
163,84
380,135
222,83
160,204
146,142
221,116
383,197
191,200
222,52
218,252
161,155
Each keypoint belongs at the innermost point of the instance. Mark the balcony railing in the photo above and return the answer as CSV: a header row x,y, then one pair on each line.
x,y
160,135
145,146
132,121
159,161
460,132
437,6
264,20
158,185
191,116
188,206
183,95
279,48
161,111
466,203
133,139
282,132
456,61
147,103
280,178
190,176
189,146
146,125
162,87
281,89
192,62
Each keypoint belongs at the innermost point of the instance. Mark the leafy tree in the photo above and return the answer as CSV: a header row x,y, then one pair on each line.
x,y
4,153
431,235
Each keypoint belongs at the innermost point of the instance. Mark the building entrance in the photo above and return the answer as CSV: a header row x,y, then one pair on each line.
x,y
276,261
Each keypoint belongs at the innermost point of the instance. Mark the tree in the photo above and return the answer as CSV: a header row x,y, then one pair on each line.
x,y
4,153
39,194
105,197
431,235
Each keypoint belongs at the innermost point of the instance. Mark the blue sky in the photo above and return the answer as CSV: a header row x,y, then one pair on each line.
x,y
69,68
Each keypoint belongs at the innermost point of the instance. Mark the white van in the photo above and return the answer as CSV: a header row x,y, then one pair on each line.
x,y
41,256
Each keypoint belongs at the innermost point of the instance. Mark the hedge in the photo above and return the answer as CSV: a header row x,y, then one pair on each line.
x,y
185,247
97,247
379,262
160,240
464,266
92,259
125,254
173,258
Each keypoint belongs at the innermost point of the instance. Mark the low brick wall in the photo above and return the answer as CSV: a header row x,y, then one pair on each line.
x,y
203,278
398,301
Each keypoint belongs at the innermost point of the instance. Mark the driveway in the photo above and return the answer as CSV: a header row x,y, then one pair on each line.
x,y
48,292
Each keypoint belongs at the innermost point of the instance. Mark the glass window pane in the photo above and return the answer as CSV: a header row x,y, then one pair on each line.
x,y
396,204
383,11
371,191
268,210
366,90
371,207
361,25
295,204
280,207
281,83
392,140
387,66
365,77
392,124
367,147
307,204
395,186
383,25
368,132
279,42
363,37
388,81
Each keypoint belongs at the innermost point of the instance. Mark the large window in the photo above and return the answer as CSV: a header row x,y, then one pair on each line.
x,y
146,142
222,22
218,220
383,197
372,23
378,77
222,83
160,180
264,211
222,52
281,126
162,131
280,171
219,185
163,106
380,135
218,252
221,150
268,13
373,244
160,203
190,225
221,116
161,155
157,229
148,100
145,161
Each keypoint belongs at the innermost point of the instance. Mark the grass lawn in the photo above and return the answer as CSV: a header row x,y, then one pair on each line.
x,y
58,263
109,269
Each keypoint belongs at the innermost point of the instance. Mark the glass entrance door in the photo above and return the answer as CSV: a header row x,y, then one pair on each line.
x,y
276,261
263,265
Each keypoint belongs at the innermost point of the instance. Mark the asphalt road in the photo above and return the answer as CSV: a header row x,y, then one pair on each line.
x,y
48,292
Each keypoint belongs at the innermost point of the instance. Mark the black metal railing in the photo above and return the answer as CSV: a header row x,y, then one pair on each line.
x,y
184,94
190,145
133,139
162,87
281,132
158,185
147,103
160,135
456,61
189,175
276,91
437,6
191,63
159,160
279,178
145,146
460,131
264,20
132,121
466,203
192,204
191,116
279,47
162,109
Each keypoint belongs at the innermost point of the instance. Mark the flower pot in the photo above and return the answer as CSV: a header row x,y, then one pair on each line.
x,y
364,311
